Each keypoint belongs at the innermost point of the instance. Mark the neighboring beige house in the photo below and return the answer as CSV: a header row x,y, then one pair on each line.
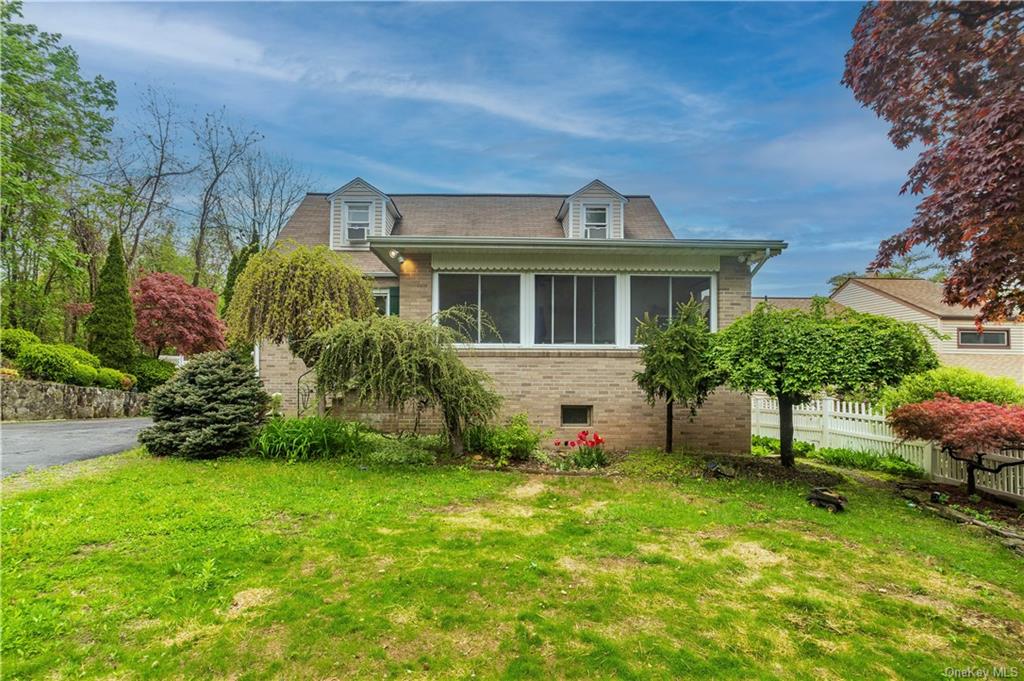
x,y
804,304
997,350
563,276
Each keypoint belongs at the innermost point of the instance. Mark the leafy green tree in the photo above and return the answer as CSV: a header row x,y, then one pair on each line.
x,y
794,355
53,120
289,295
677,363
916,265
405,364
111,326
237,265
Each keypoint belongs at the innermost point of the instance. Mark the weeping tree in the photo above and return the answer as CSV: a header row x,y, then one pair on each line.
x,y
677,364
405,364
794,356
289,294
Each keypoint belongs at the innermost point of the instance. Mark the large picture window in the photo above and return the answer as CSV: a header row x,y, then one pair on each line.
x,y
492,297
659,296
574,309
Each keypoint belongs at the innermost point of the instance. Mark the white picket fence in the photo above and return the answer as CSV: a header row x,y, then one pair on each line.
x,y
855,425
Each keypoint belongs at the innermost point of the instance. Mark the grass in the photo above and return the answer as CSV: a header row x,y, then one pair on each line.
x,y
255,569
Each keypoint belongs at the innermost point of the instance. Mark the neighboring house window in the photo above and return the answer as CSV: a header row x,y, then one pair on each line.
x,y
659,296
595,222
493,299
357,221
972,338
574,309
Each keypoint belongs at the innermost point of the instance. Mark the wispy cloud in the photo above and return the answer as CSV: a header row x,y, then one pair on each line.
x,y
150,32
840,153
610,100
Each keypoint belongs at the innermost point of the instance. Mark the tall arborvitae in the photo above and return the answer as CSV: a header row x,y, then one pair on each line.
x,y
111,326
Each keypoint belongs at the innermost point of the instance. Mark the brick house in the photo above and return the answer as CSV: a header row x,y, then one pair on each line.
x,y
996,350
564,278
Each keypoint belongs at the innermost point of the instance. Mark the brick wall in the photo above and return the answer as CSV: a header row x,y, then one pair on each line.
x,y
539,381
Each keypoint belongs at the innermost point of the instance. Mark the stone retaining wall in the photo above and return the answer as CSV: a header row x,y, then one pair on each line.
x,y
25,400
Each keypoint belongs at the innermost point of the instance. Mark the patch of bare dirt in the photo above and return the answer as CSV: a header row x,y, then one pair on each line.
x,y
283,523
84,550
247,600
188,633
529,490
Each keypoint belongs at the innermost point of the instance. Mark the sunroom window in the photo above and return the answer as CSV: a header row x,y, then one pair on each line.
x,y
491,304
595,222
357,221
659,297
574,309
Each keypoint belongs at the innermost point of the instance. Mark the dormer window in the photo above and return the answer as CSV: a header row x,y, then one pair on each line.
x,y
595,222
357,221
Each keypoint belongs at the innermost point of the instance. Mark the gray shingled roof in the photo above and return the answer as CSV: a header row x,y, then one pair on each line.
x,y
495,215
511,215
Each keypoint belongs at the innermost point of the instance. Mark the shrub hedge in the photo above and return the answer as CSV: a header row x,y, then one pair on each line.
x,y
150,372
53,363
79,355
114,379
969,386
13,340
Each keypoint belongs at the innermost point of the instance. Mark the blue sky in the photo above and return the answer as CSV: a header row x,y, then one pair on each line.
x,y
730,115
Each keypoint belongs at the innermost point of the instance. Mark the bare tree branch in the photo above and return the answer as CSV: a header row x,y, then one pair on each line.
x,y
220,147
264,191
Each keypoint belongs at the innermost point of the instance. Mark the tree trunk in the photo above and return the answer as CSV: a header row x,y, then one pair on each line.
x,y
786,431
668,427
971,489
455,436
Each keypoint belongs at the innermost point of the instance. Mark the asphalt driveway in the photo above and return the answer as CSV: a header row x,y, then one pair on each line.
x,y
47,443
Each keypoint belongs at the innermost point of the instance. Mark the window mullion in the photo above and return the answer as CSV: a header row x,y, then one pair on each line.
x,y
479,308
575,318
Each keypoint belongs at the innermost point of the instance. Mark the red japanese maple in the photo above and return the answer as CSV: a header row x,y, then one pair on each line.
x,y
970,432
169,313
949,76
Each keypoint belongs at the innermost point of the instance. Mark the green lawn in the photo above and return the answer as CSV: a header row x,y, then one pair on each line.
x,y
240,569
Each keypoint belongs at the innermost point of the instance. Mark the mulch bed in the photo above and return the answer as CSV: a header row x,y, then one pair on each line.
x,y
770,469
1004,512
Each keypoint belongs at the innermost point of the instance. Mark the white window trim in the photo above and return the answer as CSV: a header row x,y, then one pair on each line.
x,y
623,320
387,299
584,232
369,223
